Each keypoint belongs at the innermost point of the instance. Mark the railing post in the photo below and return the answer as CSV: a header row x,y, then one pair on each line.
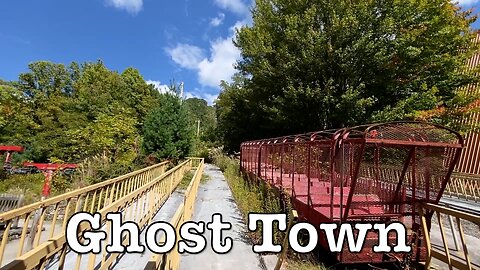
x,y
454,233
308,174
426,235
259,168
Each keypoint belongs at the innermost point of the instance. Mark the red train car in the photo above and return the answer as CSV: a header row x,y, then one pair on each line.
x,y
372,173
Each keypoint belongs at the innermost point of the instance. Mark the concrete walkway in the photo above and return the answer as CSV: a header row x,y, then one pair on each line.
x,y
214,196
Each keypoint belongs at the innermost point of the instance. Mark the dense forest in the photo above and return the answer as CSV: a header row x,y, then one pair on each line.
x,y
313,65
108,122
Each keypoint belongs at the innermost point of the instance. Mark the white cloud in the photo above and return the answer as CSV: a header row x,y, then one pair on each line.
x,y
236,6
218,66
162,88
132,6
217,20
185,55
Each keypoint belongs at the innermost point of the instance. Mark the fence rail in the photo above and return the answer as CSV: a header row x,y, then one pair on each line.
x,y
39,222
464,186
461,185
184,213
458,256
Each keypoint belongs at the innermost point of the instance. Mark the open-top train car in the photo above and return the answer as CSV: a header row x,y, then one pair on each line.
x,y
371,173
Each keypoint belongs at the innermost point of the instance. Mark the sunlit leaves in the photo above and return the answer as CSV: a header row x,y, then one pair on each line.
x,y
309,65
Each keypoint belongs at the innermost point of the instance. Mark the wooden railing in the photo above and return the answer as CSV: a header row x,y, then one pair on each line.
x,y
183,213
461,185
464,186
457,257
139,200
39,222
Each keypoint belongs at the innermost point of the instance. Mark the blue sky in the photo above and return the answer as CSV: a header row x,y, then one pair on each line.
x,y
186,40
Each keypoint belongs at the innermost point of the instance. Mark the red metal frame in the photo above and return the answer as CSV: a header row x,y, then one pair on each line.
x,y
49,170
9,149
371,173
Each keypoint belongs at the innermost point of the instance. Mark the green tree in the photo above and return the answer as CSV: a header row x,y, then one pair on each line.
x,y
138,95
46,94
200,113
15,115
167,130
76,111
238,117
309,65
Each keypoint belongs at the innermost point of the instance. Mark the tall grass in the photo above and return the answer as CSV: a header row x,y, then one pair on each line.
x,y
255,196
250,195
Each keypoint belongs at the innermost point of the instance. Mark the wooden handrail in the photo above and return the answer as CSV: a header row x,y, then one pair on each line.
x,y
40,221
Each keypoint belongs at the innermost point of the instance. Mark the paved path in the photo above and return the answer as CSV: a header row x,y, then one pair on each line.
x,y
214,196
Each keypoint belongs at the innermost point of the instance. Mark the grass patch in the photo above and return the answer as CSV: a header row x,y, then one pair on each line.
x,y
249,196
255,196
304,265
204,178
187,178
30,185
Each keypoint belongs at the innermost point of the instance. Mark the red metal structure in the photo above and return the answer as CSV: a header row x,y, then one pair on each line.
x,y
9,149
371,173
49,170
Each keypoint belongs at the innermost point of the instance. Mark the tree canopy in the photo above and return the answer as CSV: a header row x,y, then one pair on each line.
x,y
309,65
203,118
74,112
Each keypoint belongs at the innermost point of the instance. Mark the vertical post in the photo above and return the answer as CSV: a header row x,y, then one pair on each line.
x,y
426,235
293,219
414,183
46,185
293,169
354,179
428,174
342,176
241,159
281,165
266,161
259,168
308,173
332,175
8,159
273,164
454,233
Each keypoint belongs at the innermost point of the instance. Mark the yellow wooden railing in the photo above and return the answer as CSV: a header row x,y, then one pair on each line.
x,y
464,186
41,221
457,257
138,196
184,213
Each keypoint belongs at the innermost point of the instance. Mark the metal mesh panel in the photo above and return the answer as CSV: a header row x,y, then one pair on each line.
x,y
372,172
419,132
